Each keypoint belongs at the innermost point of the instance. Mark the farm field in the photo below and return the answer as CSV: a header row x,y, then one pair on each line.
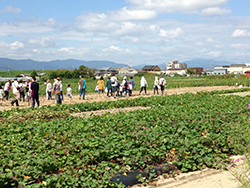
x,y
48,147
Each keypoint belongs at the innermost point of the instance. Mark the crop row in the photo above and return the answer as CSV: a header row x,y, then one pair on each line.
x,y
185,129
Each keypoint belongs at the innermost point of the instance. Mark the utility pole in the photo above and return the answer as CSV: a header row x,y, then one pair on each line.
x,y
9,70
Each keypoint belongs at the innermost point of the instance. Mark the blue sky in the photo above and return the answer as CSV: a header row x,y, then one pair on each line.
x,y
148,31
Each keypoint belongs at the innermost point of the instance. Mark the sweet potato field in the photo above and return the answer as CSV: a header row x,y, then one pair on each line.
x,y
48,147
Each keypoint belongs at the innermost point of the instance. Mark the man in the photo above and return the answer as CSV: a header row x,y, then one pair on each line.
x,y
162,83
56,89
82,85
132,82
34,91
15,91
113,84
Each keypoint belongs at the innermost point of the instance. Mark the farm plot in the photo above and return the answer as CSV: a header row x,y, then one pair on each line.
x,y
186,129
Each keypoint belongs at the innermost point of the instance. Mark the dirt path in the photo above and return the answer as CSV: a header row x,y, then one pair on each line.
x,y
112,111
93,97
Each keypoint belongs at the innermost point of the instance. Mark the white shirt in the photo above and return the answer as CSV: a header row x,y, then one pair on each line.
x,y
69,90
14,86
162,81
49,87
61,86
113,81
156,82
6,86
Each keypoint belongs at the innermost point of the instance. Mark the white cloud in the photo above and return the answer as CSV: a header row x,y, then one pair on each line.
x,y
210,40
44,42
11,9
124,14
171,33
189,6
214,11
214,53
16,45
241,33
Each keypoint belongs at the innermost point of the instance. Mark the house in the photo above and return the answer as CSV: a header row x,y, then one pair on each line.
x,y
127,71
25,75
176,65
237,68
221,70
197,70
105,71
41,74
176,71
151,69
248,73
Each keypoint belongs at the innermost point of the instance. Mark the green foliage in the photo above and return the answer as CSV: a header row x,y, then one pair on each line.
x,y
71,151
85,71
33,73
190,71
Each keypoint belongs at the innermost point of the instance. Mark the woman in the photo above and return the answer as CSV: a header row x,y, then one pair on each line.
x,y
100,83
49,90
156,85
143,85
21,90
7,88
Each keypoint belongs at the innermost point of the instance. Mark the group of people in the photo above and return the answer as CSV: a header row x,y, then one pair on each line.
x,y
116,88
25,91
21,91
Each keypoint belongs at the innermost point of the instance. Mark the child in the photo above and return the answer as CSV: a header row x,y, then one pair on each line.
x,y
69,92
1,95
130,88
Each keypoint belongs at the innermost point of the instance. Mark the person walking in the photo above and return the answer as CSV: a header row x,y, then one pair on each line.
x,y
28,89
69,92
109,87
15,90
7,88
61,86
100,83
49,89
156,85
143,85
162,83
56,89
130,88
125,86
132,82
118,87
21,90
82,83
1,94
35,92
113,84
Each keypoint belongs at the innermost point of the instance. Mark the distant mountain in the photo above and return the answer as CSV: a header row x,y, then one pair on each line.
x,y
29,64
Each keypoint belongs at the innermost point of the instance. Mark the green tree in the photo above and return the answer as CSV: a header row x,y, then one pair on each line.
x,y
85,71
53,74
33,73
190,71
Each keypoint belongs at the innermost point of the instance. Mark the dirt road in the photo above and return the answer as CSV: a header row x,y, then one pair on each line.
x,y
92,97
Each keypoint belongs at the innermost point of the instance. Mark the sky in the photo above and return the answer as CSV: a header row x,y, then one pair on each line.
x,y
141,31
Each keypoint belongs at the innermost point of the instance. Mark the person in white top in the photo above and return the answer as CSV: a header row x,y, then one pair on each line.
x,y
49,89
15,91
162,83
113,84
69,92
156,82
61,86
7,88
143,85
124,85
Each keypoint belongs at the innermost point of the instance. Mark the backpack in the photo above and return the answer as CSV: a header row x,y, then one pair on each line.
x,y
126,84
21,89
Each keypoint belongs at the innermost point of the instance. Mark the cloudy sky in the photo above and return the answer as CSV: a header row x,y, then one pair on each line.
x,y
146,31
